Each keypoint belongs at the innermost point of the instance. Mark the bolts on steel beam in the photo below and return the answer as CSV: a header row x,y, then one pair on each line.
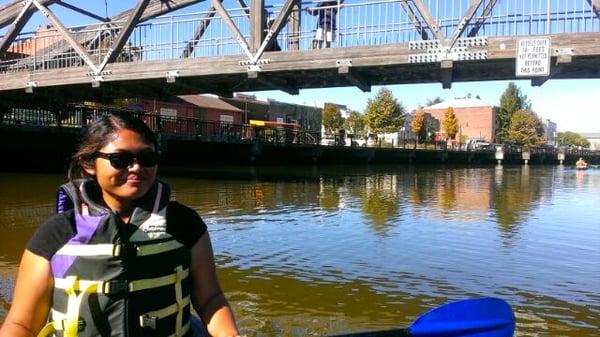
x,y
172,76
96,80
29,86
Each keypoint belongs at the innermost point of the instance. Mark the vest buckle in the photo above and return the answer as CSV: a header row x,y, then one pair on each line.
x,y
126,250
115,287
147,321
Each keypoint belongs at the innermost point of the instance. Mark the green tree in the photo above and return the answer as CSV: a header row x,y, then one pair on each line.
x,y
332,118
450,123
511,101
418,125
525,129
384,113
355,124
434,101
569,138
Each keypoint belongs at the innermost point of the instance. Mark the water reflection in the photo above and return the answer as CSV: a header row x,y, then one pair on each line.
x,y
311,251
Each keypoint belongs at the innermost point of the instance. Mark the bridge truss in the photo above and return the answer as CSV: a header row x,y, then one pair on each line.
x,y
188,46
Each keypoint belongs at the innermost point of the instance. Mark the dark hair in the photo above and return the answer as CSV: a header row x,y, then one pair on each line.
x,y
99,133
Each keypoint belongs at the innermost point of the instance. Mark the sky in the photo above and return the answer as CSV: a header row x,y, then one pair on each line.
x,y
572,104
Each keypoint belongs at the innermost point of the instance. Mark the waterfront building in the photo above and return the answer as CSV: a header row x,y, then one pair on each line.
x,y
593,138
476,118
550,132
309,117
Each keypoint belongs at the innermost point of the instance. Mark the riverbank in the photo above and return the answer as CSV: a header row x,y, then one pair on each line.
x,y
48,150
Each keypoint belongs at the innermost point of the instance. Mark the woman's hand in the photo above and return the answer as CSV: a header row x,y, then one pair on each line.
x,y
32,298
207,296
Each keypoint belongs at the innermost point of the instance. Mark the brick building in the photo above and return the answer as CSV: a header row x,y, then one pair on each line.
x,y
476,119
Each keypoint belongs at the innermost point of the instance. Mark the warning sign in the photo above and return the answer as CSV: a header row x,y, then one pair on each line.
x,y
533,57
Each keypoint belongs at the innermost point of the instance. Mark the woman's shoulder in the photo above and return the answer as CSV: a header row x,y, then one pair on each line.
x,y
184,223
51,235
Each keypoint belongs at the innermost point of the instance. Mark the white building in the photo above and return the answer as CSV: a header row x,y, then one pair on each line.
x,y
550,132
593,138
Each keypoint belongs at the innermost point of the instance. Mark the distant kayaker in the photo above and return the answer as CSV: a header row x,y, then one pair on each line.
x,y
581,163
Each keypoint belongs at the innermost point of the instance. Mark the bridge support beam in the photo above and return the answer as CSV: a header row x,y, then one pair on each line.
x,y
561,62
595,6
446,67
294,24
355,78
486,11
20,21
257,24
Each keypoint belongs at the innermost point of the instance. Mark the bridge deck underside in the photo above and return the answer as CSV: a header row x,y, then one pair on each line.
x,y
293,70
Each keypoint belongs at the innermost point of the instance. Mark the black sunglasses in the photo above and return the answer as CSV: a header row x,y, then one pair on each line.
x,y
121,160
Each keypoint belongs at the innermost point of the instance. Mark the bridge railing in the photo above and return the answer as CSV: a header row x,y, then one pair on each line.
x,y
358,23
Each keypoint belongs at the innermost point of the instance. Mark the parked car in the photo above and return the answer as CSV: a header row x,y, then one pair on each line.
x,y
328,141
477,144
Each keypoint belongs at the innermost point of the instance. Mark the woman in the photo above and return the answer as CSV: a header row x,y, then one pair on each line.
x,y
119,258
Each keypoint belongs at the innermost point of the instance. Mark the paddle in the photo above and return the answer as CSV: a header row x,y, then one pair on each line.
x,y
479,317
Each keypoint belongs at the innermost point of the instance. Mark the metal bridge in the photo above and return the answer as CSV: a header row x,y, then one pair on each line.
x,y
222,46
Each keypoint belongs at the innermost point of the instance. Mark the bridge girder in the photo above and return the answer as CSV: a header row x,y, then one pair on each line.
x,y
278,68
381,65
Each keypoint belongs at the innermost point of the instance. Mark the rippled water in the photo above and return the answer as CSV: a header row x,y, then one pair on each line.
x,y
313,251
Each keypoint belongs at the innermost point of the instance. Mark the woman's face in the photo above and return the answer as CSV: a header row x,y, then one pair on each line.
x,y
131,182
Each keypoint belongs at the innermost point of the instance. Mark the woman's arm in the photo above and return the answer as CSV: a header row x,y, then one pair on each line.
x,y
207,296
32,298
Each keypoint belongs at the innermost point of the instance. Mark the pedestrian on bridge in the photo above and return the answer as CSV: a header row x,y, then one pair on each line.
x,y
119,258
326,13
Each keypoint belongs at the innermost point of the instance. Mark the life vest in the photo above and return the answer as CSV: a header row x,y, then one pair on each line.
x,y
119,280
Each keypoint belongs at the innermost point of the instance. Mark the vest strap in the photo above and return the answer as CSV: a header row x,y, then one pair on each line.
x,y
129,250
114,287
149,319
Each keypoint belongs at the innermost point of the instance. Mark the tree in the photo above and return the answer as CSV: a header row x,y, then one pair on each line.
x,y
384,113
524,129
450,123
511,101
355,124
434,101
418,126
332,118
569,138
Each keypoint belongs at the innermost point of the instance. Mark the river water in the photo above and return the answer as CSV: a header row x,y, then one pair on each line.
x,y
314,251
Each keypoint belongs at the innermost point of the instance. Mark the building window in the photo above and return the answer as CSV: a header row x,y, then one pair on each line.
x,y
168,112
226,119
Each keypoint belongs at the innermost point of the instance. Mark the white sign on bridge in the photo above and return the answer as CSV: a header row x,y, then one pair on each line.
x,y
533,57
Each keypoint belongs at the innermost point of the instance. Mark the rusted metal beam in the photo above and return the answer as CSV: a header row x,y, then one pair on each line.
x,y
118,44
481,19
241,40
424,12
19,23
10,12
82,11
414,19
463,22
85,56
